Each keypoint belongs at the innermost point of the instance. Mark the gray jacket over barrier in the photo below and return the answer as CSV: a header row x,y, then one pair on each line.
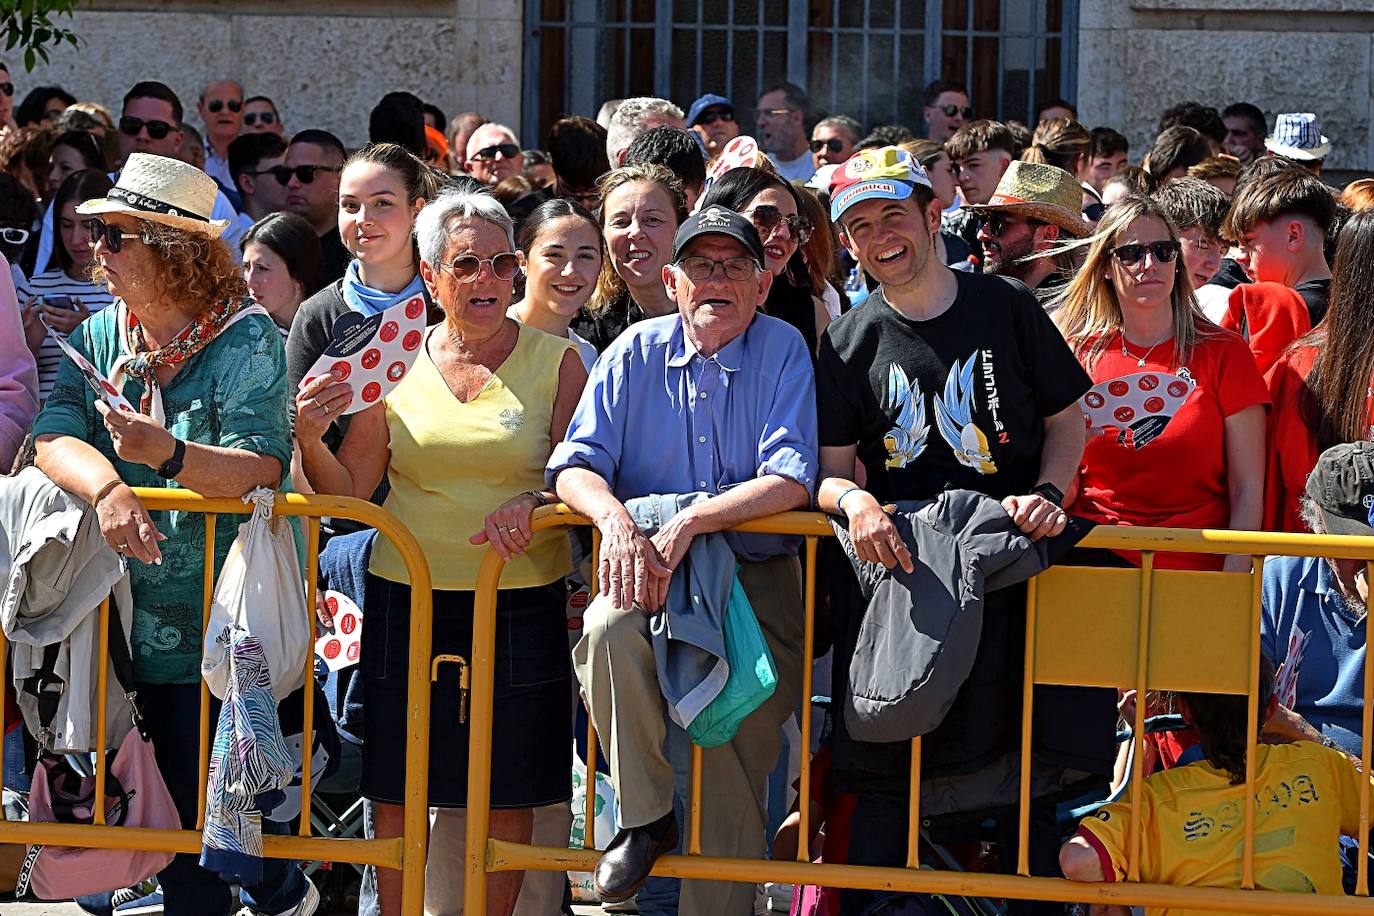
x,y
689,632
920,633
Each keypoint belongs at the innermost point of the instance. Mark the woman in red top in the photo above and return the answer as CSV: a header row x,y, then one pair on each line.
x,y
1321,385
1176,413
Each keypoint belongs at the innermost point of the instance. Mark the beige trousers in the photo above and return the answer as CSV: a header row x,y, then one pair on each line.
x,y
615,663
540,895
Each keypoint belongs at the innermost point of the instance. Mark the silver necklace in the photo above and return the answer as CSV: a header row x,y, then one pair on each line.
x,y
1141,362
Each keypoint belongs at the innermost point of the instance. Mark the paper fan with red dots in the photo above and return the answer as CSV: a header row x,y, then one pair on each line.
x,y
1136,408
372,353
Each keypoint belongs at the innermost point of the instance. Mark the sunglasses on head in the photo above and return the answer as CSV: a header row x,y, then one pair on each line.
x,y
834,144
7,88
504,150
1093,212
215,106
997,223
254,117
712,115
113,236
468,267
305,174
1131,255
766,219
952,110
131,126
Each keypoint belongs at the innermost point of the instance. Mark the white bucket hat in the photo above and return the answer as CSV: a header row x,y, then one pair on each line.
x,y
1298,136
162,190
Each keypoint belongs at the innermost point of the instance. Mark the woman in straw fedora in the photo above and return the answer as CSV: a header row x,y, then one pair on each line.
x,y
205,372
1176,413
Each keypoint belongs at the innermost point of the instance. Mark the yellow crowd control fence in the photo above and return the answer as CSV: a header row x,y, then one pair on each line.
x,y
405,853
1150,628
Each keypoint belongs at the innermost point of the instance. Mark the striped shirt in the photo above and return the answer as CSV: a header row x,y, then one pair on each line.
x,y
52,283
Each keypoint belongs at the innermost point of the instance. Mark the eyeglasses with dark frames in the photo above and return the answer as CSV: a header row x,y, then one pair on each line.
x,y
113,236
215,106
697,268
504,150
305,174
157,130
1131,255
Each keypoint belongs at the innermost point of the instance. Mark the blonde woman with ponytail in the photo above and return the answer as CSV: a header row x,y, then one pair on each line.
x,y
1176,414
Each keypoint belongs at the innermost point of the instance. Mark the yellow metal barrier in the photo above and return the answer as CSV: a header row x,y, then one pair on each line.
x,y
1141,627
405,853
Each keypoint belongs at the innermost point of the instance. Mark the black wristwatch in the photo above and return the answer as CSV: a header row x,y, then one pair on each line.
x,y
1050,492
172,466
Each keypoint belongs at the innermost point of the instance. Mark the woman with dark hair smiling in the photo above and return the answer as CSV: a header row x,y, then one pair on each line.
x,y
561,253
282,263
771,204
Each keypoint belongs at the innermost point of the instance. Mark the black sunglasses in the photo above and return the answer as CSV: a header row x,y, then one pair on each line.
x,y
157,130
215,106
834,144
253,117
1093,212
766,219
7,88
304,173
952,110
997,223
712,115
114,236
1131,255
505,150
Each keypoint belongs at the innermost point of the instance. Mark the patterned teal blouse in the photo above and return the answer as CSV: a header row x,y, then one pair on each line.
x,y
231,394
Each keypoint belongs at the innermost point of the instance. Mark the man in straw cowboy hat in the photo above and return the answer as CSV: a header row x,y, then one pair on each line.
x,y
942,380
1034,208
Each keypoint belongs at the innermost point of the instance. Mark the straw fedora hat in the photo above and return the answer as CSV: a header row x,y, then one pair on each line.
x,y
1042,192
162,190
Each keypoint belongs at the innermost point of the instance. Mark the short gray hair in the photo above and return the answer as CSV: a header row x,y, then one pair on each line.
x,y
630,119
845,123
432,228
489,127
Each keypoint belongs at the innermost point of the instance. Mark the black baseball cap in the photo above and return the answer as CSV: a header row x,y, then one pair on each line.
x,y
716,220
1342,486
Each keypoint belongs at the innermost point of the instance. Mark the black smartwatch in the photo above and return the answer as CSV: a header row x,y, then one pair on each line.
x,y
172,466
1050,492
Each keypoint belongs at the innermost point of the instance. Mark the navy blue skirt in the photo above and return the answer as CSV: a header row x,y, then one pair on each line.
x,y
531,743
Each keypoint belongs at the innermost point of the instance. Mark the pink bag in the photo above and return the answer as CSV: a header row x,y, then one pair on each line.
x,y
135,796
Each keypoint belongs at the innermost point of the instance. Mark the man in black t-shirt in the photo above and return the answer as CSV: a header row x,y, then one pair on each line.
x,y
939,380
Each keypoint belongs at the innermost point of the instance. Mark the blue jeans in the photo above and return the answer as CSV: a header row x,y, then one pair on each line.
x,y
172,712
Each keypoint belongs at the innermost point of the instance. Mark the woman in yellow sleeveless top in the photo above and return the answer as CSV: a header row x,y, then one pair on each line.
x,y
463,440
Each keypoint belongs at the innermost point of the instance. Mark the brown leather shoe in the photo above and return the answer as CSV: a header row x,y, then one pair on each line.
x,y
626,863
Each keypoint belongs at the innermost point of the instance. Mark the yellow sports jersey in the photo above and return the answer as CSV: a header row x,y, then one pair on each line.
x,y
1194,825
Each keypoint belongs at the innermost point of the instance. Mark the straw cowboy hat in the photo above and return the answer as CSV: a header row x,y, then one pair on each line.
x,y
1298,135
1040,192
162,190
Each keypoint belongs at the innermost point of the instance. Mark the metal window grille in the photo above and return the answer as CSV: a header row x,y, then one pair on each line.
x,y
866,58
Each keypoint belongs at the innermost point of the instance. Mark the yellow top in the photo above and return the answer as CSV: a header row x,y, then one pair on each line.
x,y
452,464
1193,824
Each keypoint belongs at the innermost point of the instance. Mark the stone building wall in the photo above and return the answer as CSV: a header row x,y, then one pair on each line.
x,y
1137,57
325,62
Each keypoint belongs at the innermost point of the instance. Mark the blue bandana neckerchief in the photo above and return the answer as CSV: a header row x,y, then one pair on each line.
x,y
369,301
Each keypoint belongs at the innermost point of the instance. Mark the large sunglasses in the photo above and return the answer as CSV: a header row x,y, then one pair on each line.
x,y
698,268
997,223
468,267
504,150
1131,255
712,115
766,219
113,236
305,174
157,130
253,117
952,110
834,144
215,106
14,236
7,88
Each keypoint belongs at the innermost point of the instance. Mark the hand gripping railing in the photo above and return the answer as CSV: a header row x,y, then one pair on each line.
x,y
1085,626
407,852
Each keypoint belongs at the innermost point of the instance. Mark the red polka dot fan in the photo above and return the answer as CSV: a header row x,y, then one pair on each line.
x,y
372,353
1136,408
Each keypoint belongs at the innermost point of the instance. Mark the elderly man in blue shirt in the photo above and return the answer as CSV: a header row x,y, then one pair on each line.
x,y
716,400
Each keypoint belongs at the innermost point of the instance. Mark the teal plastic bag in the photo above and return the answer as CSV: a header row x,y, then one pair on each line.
x,y
753,676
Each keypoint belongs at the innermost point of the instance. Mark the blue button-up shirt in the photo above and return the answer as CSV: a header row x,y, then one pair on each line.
x,y
658,417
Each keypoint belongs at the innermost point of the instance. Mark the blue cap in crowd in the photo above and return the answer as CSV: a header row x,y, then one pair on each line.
x,y
709,100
